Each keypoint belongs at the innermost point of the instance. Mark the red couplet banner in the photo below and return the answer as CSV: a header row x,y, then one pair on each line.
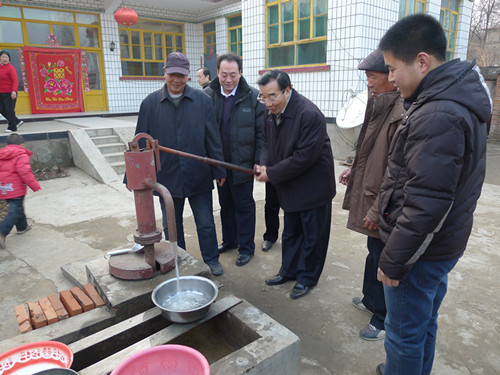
x,y
54,79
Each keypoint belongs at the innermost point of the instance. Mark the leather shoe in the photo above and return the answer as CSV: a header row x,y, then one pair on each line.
x,y
225,247
298,291
216,268
381,369
243,259
277,280
266,245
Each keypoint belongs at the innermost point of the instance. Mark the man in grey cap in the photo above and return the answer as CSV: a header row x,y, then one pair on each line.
x,y
183,118
384,112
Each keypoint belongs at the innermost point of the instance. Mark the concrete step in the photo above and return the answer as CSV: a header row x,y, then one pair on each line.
x,y
114,157
118,166
111,148
99,132
104,139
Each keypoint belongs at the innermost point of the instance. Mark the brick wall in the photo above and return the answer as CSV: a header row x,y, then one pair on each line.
x,y
495,120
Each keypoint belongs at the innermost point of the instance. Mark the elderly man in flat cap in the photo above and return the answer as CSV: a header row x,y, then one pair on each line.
x,y
183,118
384,112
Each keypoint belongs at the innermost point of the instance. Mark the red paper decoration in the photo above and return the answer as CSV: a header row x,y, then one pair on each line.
x,y
126,16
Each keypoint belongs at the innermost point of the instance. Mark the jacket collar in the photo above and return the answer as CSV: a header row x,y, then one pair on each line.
x,y
188,93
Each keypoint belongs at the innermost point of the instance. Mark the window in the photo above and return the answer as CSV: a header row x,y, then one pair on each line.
x,y
209,38
234,34
407,7
296,32
144,46
449,20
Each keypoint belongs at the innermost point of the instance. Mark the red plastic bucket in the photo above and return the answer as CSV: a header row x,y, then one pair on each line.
x,y
165,359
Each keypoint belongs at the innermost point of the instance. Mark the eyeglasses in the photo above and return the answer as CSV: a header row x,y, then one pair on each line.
x,y
269,100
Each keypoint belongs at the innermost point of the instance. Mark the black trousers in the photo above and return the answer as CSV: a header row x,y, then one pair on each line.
x,y
271,213
7,109
305,244
373,290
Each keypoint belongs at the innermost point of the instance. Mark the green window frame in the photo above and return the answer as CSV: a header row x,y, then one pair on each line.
x,y
448,17
407,7
145,45
209,37
296,32
234,32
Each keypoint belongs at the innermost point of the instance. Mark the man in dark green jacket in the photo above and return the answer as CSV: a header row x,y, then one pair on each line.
x,y
240,118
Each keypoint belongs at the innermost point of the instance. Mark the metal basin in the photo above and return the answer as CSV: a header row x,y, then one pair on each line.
x,y
199,293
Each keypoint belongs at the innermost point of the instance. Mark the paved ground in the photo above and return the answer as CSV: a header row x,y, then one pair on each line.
x,y
78,219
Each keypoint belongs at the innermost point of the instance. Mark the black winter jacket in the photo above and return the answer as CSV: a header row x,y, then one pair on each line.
x,y
247,125
435,170
298,155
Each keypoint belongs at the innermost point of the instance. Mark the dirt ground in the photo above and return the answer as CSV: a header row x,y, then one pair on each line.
x,y
78,219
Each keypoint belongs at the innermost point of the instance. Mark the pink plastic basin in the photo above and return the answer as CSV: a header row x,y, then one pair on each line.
x,y
35,357
165,359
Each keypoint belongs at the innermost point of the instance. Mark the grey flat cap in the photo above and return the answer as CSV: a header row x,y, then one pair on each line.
x,y
374,62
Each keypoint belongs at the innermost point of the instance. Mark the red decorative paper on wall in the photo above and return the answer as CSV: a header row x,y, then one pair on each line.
x,y
54,79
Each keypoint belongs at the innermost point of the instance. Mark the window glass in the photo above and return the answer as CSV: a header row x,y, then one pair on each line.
x,y
320,26
10,12
209,27
296,32
173,28
89,36
87,19
11,32
153,68
320,6
65,34
179,43
304,8
37,32
93,67
311,53
304,29
273,34
280,56
272,15
48,15
234,21
151,25
132,68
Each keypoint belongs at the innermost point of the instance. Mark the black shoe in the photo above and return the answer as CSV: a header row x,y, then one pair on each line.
x,y
243,259
216,268
277,280
225,247
266,245
298,291
381,369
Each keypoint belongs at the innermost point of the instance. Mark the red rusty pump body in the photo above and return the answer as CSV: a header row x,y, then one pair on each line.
x,y
141,178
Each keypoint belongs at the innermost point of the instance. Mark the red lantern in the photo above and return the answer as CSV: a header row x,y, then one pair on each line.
x,y
126,16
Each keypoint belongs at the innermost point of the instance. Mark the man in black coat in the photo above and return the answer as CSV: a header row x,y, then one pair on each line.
x,y
297,159
240,118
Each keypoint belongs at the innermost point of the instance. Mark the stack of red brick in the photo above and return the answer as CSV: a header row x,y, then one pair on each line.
x,y
54,308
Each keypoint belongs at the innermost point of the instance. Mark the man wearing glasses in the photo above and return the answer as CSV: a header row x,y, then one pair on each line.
x,y
297,159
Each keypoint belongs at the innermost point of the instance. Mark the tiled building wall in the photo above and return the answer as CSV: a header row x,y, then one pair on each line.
x,y
354,29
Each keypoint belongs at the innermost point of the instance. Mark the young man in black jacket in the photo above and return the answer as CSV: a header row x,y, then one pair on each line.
x,y
435,171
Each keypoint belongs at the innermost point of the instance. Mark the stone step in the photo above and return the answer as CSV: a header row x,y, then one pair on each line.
x,y
111,148
99,132
104,139
114,157
118,166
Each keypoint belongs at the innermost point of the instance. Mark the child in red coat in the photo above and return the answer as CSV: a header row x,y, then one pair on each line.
x,y
15,174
